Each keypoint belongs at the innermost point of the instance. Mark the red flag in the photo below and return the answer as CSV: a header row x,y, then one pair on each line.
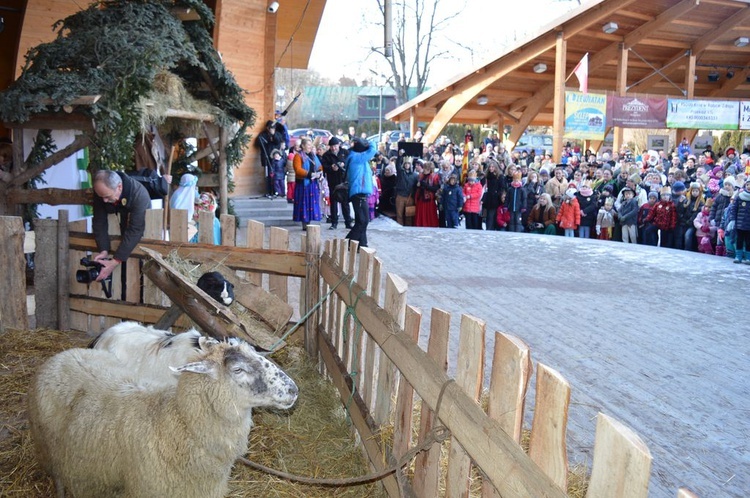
x,y
582,73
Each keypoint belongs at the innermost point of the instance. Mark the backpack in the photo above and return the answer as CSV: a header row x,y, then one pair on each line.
x,y
155,185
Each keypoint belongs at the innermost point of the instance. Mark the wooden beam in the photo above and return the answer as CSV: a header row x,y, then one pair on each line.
x,y
56,121
84,100
79,143
238,258
622,82
144,313
505,113
51,196
185,14
13,310
197,116
729,85
690,77
558,119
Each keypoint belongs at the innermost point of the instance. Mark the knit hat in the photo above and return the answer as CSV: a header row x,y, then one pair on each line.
x,y
359,145
695,185
334,141
635,178
609,188
653,194
730,181
570,193
715,172
627,189
678,187
731,150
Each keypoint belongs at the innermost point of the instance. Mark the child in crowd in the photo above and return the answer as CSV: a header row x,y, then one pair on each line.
x,y
502,218
374,198
569,215
453,200
704,229
290,178
278,166
472,204
628,215
605,220
516,202
741,217
588,201
647,231
664,217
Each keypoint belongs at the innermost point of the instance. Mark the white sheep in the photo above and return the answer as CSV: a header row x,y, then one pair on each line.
x,y
99,434
150,352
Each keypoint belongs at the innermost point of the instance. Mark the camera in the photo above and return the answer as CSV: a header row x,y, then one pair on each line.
x,y
273,7
91,273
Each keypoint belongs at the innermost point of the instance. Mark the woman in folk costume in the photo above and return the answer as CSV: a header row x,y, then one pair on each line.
x,y
307,170
428,183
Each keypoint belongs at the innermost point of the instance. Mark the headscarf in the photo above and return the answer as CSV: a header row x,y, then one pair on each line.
x,y
185,195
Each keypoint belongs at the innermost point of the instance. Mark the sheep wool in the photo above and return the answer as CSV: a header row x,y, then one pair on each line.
x,y
98,434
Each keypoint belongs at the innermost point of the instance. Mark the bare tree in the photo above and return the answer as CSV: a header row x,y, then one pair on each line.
x,y
416,26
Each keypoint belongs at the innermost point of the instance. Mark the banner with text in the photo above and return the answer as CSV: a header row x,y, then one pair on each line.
x,y
585,115
637,112
745,115
703,114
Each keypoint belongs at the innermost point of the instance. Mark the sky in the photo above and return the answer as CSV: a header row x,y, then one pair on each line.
x,y
345,34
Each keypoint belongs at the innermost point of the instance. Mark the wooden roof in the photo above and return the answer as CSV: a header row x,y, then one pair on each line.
x,y
297,23
659,35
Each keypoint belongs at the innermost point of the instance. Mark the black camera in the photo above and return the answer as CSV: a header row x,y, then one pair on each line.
x,y
91,273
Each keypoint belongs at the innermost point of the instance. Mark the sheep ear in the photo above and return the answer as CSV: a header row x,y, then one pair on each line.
x,y
201,367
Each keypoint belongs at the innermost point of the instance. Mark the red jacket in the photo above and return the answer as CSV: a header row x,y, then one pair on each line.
x,y
663,215
472,197
503,216
569,214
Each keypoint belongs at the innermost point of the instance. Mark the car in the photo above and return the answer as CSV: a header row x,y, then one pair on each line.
x,y
538,143
296,134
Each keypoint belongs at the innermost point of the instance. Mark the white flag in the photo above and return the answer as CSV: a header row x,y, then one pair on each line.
x,y
582,73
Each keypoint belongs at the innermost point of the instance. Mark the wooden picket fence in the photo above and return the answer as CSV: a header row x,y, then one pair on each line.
x,y
370,353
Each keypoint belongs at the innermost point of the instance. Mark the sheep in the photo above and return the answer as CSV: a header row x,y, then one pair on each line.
x,y
215,285
150,352
99,434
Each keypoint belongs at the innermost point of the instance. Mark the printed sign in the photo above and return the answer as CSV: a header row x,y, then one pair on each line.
x,y
585,115
703,114
745,115
637,112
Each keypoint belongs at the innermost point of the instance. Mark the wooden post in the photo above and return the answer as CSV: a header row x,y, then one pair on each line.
x,y
405,398
279,284
46,274
548,429
228,230
63,271
13,310
78,320
178,225
370,352
558,113
256,232
223,173
154,230
469,371
622,462
312,292
363,279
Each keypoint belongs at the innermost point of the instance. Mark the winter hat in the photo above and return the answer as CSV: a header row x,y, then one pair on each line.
x,y
628,189
544,172
609,188
731,170
635,178
570,193
275,151
653,194
695,185
715,172
730,181
334,141
359,145
678,187
731,150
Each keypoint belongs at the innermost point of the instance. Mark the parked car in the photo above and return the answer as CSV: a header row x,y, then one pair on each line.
x,y
538,143
296,134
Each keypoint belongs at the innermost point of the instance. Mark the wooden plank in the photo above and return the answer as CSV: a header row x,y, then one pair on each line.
x,y
405,398
169,318
312,292
622,462
60,121
13,307
338,326
78,320
496,454
347,333
372,351
121,310
63,270
509,380
213,318
269,261
395,306
45,274
178,225
205,227
547,446
279,284
469,371
358,412
96,290
154,230
303,282
363,279
255,235
51,196
228,230
427,463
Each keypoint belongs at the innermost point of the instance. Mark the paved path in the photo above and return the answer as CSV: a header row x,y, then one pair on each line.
x,y
656,338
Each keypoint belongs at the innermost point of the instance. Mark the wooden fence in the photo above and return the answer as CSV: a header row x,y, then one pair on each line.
x,y
370,353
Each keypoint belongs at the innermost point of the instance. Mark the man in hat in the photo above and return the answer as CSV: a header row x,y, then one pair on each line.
x,y
333,166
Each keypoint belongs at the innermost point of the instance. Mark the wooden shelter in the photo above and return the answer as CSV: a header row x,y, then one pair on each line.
x,y
664,47
252,42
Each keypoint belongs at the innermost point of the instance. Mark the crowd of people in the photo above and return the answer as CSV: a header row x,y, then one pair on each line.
x,y
681,199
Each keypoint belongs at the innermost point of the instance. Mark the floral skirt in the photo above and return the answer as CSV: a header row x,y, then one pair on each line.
x,y
306,202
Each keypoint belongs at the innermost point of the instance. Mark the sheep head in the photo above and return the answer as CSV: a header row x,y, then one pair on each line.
x,y
259,381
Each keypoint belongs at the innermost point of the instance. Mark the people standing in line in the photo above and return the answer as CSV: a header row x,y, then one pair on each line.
x,y
334,160
268,140
472,202
307,170
406,182
359,176
117,193
425,197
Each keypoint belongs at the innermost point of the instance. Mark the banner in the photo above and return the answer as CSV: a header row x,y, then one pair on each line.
x,y
703,114
585,115
637,112
744,115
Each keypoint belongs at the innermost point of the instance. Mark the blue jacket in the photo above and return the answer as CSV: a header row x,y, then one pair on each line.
x,y
358,172
741,211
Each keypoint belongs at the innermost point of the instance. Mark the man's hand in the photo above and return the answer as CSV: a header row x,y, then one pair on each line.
x,y
101,257
108,266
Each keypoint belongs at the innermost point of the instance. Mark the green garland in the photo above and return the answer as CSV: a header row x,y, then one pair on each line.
x,y
115,49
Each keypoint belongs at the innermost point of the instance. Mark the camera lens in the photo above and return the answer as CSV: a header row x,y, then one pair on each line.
x,y
87,276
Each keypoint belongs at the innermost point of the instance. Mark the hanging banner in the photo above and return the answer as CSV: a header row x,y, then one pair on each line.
x,y
703,114
745,115
585,115
637,112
